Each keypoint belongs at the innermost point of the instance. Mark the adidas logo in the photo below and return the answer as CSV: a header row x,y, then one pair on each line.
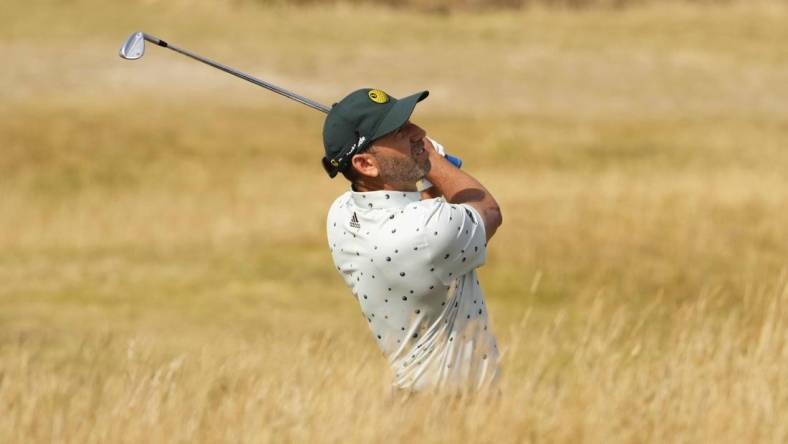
x,y
354,221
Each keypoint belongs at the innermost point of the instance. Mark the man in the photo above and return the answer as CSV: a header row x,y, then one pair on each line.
x,y
410,256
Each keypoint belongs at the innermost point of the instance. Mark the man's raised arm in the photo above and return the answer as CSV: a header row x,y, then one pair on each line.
x,y
458,187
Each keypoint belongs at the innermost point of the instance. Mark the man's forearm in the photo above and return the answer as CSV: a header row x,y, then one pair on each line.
x,y
458,186
430,193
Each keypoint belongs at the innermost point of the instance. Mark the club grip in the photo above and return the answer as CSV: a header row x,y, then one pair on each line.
x,y
454,160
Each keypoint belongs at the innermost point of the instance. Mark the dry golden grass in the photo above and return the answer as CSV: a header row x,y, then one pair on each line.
x,y
163,269
621,374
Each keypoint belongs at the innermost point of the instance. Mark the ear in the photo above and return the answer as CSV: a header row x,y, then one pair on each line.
x,y
365,164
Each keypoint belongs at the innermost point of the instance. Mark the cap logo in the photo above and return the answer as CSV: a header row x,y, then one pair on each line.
x,y
378,96
334,163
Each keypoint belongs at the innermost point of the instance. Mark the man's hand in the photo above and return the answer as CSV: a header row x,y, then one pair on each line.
x,y
428,191
435,145
458,186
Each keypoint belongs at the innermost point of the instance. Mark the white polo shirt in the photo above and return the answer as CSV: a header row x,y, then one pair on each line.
x,y
411,264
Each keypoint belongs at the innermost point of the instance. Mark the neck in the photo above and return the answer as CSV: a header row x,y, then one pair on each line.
x,y
363,186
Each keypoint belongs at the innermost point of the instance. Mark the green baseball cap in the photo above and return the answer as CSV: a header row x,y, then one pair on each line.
x,y
360,118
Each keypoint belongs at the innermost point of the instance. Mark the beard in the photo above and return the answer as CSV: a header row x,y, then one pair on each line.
x,y
403,170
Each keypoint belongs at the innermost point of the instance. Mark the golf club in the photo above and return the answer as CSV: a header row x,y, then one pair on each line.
x,y
134,48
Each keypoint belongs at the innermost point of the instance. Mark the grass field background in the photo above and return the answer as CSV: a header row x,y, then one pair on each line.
x,y
164,274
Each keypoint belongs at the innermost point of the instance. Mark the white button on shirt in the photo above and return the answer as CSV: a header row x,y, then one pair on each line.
x,y
411,264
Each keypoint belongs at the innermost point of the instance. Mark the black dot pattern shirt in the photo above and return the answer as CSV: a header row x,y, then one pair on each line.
x,y
411,265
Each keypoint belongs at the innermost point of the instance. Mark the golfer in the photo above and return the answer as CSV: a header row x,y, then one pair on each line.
x,y
408,255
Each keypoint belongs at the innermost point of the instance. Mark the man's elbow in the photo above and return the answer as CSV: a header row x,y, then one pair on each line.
x,y
493,219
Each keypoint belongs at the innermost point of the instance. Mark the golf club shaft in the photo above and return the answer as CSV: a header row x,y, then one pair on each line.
x,y
247,77
127,53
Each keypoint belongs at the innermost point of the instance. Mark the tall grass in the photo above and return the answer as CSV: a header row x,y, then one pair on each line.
x,y
667,373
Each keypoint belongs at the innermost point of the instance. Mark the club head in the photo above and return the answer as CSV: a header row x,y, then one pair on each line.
x,y
134,47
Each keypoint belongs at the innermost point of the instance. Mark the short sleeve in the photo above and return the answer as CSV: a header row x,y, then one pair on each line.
x,y
456,239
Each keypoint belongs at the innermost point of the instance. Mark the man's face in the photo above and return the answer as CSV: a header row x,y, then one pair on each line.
x,y
402,157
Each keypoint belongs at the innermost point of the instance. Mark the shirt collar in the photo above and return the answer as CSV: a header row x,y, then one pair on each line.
x,y
384,198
